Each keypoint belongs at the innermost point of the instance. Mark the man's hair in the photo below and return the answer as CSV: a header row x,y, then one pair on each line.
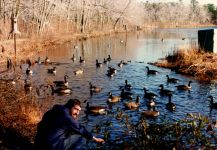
x,y
72,102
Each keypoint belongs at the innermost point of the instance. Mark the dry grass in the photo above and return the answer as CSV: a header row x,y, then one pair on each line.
x,y
201,65
19,116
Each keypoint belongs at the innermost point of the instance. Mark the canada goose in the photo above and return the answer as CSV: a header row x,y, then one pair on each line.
x,y
113,99
184,87
38,61
62,83
97,110
151,103
47,60
127,86
78,71
164,91
170,106
94,88
81,60
109,58
149,95
98,64
110,74
212,104
120,64
132,105
28,71
105,61
52,70
119,115
112,70
73,58
27,86
75,46
126,95
154,72
150,113
61,90
172,80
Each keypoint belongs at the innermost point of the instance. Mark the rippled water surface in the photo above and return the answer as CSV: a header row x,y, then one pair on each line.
x,y
139,48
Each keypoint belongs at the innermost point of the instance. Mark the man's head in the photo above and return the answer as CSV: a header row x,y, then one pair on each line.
x,y
74,106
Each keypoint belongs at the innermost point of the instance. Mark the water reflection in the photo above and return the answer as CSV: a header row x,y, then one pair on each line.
x,y
140,47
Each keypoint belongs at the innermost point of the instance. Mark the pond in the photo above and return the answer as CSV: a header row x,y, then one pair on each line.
x,y
137,49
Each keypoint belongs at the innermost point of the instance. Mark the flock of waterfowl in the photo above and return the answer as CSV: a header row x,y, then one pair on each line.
x,y
62,87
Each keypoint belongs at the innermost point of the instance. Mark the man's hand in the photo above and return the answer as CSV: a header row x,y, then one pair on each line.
x,y
98,140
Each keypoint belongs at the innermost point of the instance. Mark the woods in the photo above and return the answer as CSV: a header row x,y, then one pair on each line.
x,y
41,18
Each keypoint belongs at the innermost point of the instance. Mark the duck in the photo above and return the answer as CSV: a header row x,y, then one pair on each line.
x,y
94,88
61,90
113,99
28,71
62,83
78,71
172,80
105,61
97,110
73,57
109,58
98,64
149,72
81,60
126,95
212,104
52,70
184,87
149,95
132,105
170,106
150,113
165,91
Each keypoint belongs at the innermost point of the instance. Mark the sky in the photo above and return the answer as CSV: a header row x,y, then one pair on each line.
x,y
201,2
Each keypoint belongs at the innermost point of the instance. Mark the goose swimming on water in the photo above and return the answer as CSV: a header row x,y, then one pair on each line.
x,y
184,87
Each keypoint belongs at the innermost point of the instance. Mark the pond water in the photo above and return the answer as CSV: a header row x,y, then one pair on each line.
x,y
138,48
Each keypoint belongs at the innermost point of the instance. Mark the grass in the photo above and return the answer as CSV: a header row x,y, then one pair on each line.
x,y
198,64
